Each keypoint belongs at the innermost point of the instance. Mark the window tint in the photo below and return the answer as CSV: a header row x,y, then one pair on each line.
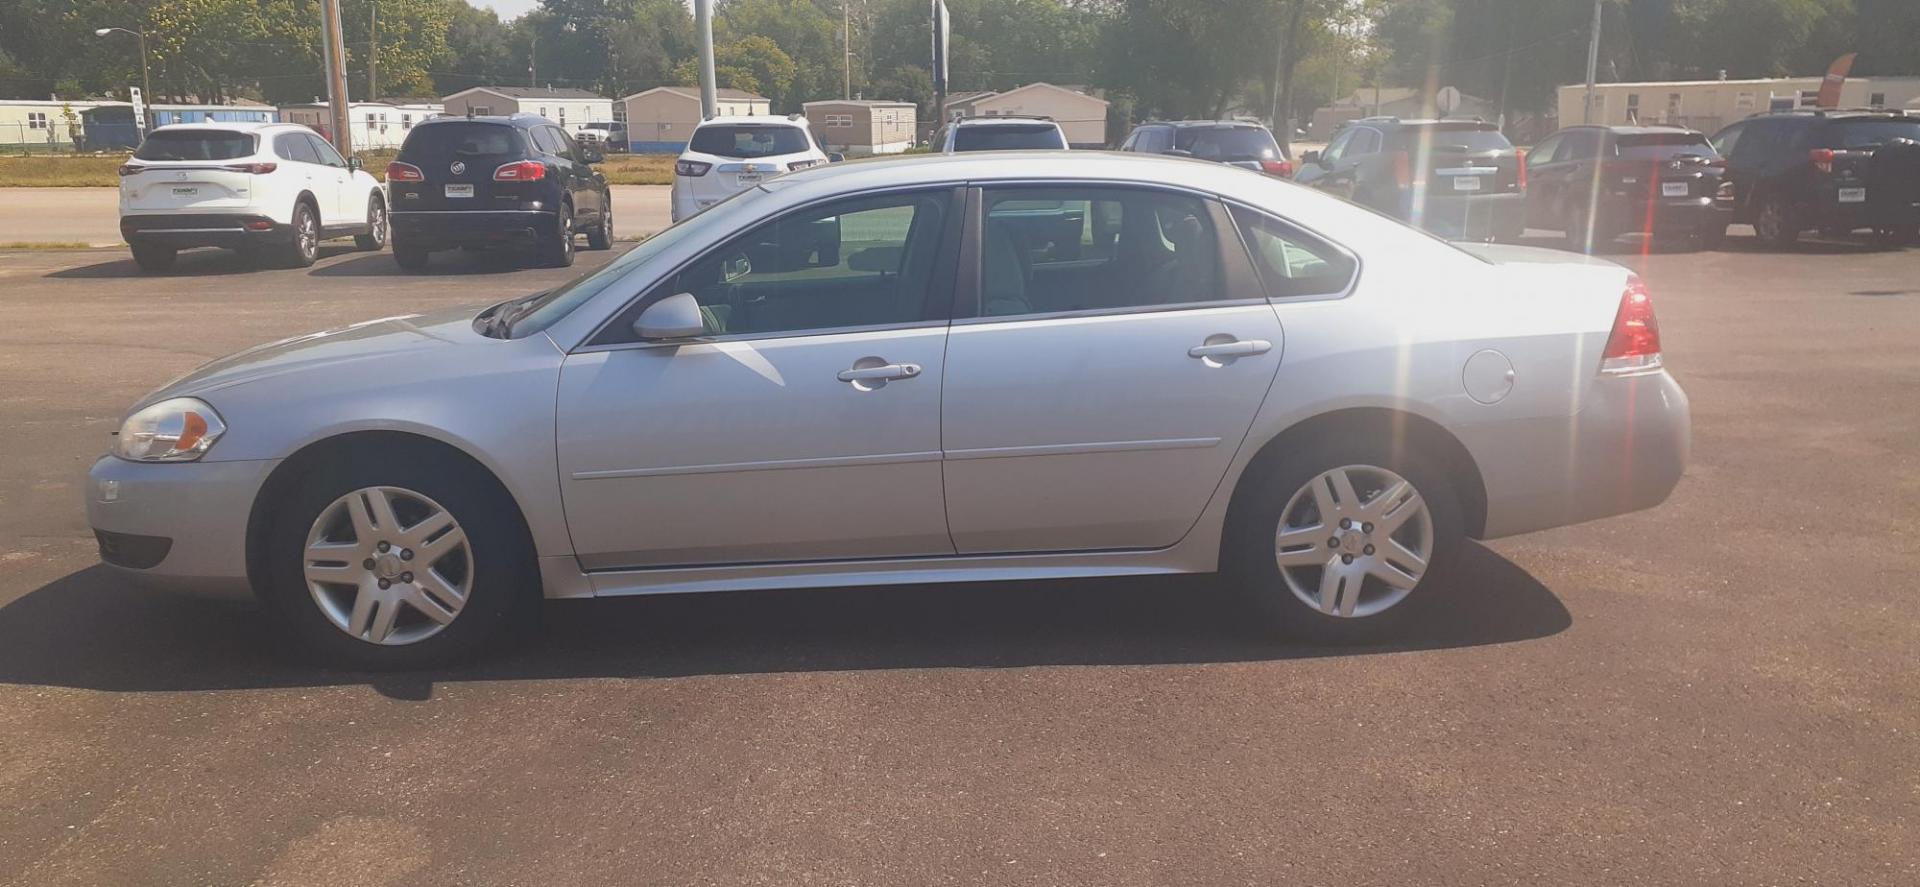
x,y
1292,262
1475,138
439,142
1228,143
196,144
1090,249
1158,140
745,140
1365,141
325,151
860,262
1579,144
1727,138
1543,152
1663,145
1338,148
295,147
567,146
1859,134
544,140
1007,137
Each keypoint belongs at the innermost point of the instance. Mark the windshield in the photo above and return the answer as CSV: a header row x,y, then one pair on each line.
x,y
1474,138
1664,145
1870,133
444,141
196,144
744,140
1008,137
549,308
1229,143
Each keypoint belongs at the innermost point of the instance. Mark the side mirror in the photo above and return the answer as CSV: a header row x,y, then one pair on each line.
x,y
1312,157
592,155
674,317
836,157
354,163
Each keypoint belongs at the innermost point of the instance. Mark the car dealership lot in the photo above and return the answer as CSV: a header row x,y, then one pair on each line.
x,y
1720,690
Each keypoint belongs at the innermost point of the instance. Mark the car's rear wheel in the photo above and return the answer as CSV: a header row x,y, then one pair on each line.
x,y
1345,542
601,236
1775,223
153,258
303,237
376,236
405,562
555,248
408,256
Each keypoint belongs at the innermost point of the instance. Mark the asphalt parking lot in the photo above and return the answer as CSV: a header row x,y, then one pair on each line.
x,y
1719,691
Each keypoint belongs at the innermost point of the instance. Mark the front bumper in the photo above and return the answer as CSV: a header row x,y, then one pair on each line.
x,y
182,231
449,228
179,525
1624,450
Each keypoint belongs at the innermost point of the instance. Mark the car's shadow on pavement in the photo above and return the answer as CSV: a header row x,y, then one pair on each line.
x,y
193,263
93,630
446,262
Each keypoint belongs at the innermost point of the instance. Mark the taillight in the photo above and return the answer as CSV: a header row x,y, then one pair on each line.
x,y
1822,159
1402,169
1520,169
690,168
1724,193
1634,344
404,172
1281,168
128,169
797,164
258,169
520,171
1718,163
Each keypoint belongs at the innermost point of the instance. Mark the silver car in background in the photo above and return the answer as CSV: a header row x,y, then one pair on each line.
x,y
936,369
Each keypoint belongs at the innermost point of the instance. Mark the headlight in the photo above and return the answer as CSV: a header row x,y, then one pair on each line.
x,y
179,429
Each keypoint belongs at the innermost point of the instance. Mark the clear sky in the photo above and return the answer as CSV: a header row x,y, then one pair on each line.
x,y
507,8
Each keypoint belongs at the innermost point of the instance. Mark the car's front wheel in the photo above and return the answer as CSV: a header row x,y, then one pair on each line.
x,y
152,258
401,562
376,236
1776,224
1345,542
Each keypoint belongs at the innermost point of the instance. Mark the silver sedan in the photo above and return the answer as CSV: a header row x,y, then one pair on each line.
x,y
919,370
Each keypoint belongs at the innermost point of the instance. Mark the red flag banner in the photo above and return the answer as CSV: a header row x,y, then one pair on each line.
x,y
1830,85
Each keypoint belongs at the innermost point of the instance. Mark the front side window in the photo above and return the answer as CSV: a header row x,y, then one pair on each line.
x,y
1291,262
1048,250
862,262
1338,149
1543,152
295,147
327,155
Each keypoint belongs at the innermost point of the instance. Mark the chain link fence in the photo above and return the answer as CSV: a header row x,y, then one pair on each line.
x,y
40,135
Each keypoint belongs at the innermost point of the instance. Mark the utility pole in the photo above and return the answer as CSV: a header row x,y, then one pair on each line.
x,y
533,53
703,32
373,51
846,44
335,52
1593,64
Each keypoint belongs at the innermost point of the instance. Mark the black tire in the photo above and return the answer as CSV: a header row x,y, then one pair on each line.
x,y
1775,225
303,237
409,257
555,249
153,258
1248,555
376,236
504,598
601,236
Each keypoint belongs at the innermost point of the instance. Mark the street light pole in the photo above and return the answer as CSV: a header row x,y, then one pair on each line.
x,y
146,77
335,52
703,32
1593,64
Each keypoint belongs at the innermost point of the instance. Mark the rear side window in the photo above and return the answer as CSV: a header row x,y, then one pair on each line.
x,y
1008,137
1474,138
744,140
1229,143
446,141
1047,250
196,144
1862,134
1292,262
1663,145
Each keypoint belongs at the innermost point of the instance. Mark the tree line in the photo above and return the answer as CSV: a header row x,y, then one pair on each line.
x,y
1172,58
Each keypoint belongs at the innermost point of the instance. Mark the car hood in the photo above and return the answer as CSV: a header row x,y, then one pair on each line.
x,y
354,343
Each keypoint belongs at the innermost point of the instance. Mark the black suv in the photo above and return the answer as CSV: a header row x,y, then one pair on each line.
x,y
516,181
1234,142
1598,182
1833,171
1459,178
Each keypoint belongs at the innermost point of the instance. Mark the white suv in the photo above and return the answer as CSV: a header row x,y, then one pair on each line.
x,y
1000,133
275,188
731,154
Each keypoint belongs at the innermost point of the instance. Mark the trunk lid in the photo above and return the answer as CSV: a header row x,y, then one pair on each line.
x,y
1462,158
190,170
457,160
1663,165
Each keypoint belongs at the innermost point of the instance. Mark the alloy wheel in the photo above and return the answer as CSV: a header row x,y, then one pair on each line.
x,y
388,565
307,234
1354,541
377,222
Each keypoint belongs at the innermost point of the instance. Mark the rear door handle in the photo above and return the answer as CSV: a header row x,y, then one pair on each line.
x,y
887,372
1244,348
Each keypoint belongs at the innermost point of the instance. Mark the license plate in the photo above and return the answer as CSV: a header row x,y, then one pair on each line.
x,y
1673,189
459,190
1466,183
185,192
749,178
1853,195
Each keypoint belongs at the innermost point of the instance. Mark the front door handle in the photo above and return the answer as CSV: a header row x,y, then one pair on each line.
x,y
886,372
1217,350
